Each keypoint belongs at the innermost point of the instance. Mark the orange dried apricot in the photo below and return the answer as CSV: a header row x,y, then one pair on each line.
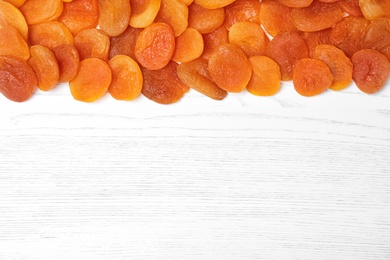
x,y
68,61
276,17
371,70
339,64
163,86
16,3
266,77
374,9
195,74
10,15
114,16
214,39
287,49
127,79
143,12
124,44
92,80
229,67
189,46
213,4
17,79
174,13
40,11
242,11
205,20
250,37
79,15
311,77
50,34
155,46
378,36
12,43
313,39
317,16
296,3
45,65
351,7
92,43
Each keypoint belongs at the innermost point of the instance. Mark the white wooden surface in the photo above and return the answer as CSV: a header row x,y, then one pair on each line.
x,y
284,177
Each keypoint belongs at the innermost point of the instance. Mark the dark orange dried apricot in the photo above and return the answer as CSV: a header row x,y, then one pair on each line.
x,y
378,36
242,11
40,11
205,20
374,9
50,34
124,44
92,43
313,39
68,61
214,39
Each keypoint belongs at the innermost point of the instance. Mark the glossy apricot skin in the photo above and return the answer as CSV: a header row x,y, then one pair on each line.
x,y
124,44
45,66
311,77
79,15
40,11
163,86
114,16
143,12
10,15
127,79
92,80
92,43
371,70
50,34
12,43
287,49
189,46
68,61
18,80
155,46
242,11
195,74
229,67
266,77
205,20
174,13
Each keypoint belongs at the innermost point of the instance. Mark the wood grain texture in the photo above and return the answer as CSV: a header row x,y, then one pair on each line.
x,y
284,177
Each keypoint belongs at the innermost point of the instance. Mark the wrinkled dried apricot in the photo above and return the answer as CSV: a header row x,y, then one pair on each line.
x,y
374,9
311,77
266,77
114,16
127,79
174,13
351,7
68,61
50,34
378,36
317,16
40,11
205,20
229,67
189,46
371,70
242,11
276,17
17,79
79,15
124,44
250,37
12,43
92,43
143,12
155,46
313,39
286,49
213,4
296,3
16,3
214,39
163,86
195,74
45,65
10,15
92,80
339,64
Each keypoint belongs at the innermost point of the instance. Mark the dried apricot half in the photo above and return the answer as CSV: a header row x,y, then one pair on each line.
x,y
266,77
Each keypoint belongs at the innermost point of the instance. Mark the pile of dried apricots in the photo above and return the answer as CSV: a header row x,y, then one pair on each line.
x,y
162,48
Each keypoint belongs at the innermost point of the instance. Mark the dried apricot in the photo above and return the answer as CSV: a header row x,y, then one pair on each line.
x,y
68,61
92,43
205,20
250,37
195,74
276,17
124,44
311,77
287,49
79,15
213,4
189,46
114,16
339,64
296,3
242,11
351,7
92,80
17,79
265,79
214,39
313,39
371,69
143,12
40,11
12,43
45,65
317,16
127,79
16,3
163,86
155,46
374,9
10,15
229,67
174,13
50,34
378,36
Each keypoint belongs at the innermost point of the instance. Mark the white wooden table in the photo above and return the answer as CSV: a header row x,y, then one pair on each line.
x,y
283,177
